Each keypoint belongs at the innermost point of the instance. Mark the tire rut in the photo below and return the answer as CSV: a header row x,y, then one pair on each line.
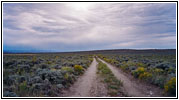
x,y
87,85
133,88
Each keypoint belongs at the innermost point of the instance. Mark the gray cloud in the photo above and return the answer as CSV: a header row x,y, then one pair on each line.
x,y
69,26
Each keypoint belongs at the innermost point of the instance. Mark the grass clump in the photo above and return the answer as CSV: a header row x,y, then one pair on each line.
x,y
113,84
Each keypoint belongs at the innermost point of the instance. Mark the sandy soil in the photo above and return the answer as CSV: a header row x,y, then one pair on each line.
x,y
87,85
132,87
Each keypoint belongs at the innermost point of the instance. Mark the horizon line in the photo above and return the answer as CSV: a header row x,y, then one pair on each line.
x,y
53,51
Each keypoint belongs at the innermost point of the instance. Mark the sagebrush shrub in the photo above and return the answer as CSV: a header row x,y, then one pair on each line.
x,y
140,70
171,70
9,94
124,67
170,86
145,76
158,80
140,65
157,71
67,69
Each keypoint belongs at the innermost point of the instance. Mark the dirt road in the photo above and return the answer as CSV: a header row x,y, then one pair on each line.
x,y
87,85
133,88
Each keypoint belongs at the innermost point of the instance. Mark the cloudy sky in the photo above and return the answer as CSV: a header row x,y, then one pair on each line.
x,y
88,26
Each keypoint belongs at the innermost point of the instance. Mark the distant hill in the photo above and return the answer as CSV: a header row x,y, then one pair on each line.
x,y
131,51
112,51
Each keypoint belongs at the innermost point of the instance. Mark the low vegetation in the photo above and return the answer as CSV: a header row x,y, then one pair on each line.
x,y
46,75
41,75
170,86
155,68
113,84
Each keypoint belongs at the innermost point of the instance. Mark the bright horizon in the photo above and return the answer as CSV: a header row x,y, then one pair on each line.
x,y
64,27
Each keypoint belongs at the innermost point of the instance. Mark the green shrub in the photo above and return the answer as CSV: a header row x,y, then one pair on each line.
x,y
23,89
145,76
79,69
138,71
69,78
49,62
66,76
156,71
90,59
124,67
170,86
67,69
159,80
112,61
34,59
171,70
20,71
141,65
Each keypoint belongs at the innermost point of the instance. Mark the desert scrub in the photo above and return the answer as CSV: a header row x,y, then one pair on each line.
x,y
145,76
67,69
158,80
113,84
171,70
78,69
34,59
156,71
40,74
138,71
112,61
156,68
141,65
68,75
170,86
23,89
124,66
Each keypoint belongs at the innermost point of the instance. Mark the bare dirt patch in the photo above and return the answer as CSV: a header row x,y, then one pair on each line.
x,y
99,88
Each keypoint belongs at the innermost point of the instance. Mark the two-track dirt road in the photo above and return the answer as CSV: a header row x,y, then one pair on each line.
x,y
87,85
132,87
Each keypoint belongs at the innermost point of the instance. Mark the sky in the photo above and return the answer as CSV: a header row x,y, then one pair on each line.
x,y
63,27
